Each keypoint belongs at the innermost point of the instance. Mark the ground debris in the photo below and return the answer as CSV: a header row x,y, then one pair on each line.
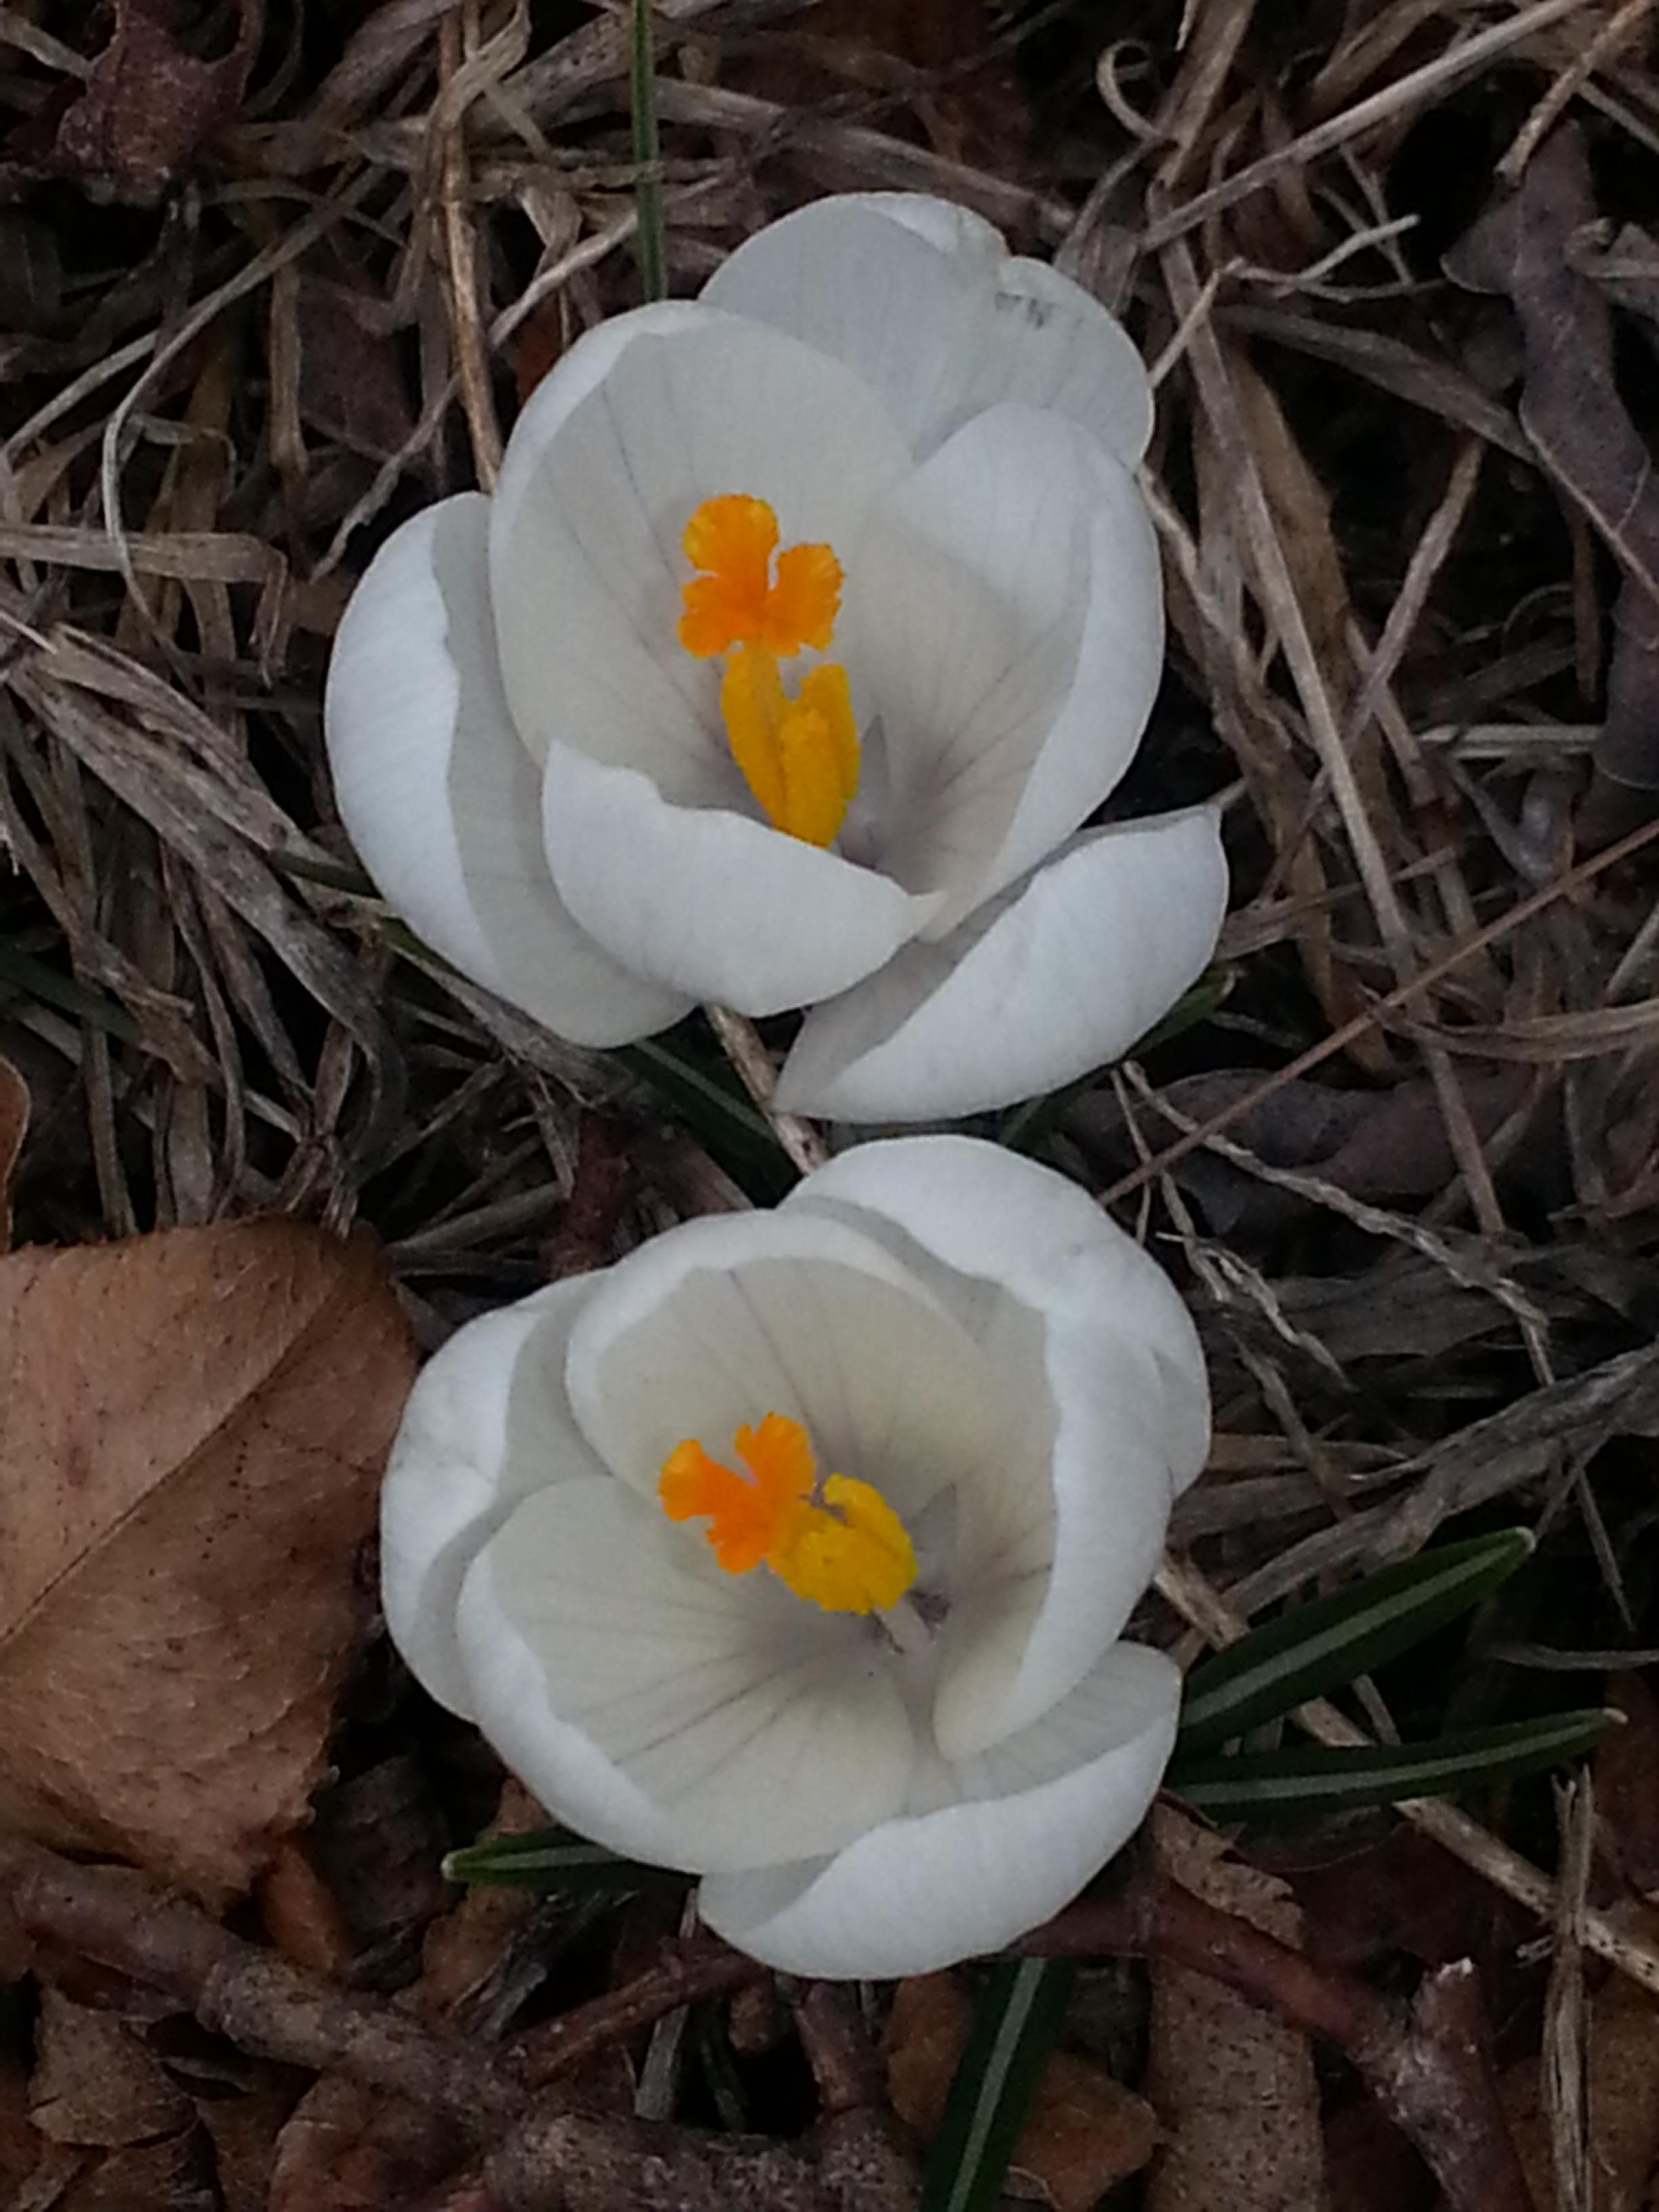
x,y
1572,412
204,1411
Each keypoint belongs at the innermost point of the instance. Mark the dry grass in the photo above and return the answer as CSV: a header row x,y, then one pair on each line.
x,y
1425,1272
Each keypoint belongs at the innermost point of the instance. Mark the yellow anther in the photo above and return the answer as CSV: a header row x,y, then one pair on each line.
x,y
842,1546
799,757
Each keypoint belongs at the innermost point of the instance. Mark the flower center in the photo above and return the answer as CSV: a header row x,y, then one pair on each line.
x,y
799,757
838,1542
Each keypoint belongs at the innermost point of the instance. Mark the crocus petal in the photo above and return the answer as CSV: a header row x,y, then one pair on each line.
x,y
981,1212
711,901
440,797
586,565
941,325
487,1422
1126,1379
1005,615
678,1715
727,1318
1063,973
1038,1817
1034,1607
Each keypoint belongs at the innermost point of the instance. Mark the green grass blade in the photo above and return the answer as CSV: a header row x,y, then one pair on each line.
x,y
1319,1647
553,1859
1321,1778
1013,2031
648,154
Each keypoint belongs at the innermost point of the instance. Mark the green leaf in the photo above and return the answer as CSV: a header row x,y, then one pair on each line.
x,y
1196,1003
707,1099
1319,1647
553,1859
1323,1778
647,152
1014,2029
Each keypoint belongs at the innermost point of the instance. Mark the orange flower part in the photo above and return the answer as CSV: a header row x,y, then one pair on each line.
x,y
842,1547
799,757
734,599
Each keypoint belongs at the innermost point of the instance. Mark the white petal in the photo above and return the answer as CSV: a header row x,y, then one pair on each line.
x,y
1005,615
487,1422
679,1715
1037,1819
946,224
940,326
1063,973
1033,1607
586,567
710,901
440,797
1125,1380
729,1318
992,1216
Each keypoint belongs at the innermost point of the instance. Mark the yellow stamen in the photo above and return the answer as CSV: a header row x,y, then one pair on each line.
x,y
842,1546
799,757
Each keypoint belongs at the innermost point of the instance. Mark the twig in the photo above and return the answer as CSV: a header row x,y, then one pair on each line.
x,y
569,2162
562,2045
740,1041
1428,2065
248,1995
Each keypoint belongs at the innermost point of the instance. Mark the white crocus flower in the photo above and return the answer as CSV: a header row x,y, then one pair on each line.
x,y
807,625
794,1551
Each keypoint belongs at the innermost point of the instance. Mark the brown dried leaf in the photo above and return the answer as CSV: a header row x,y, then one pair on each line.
x,y
1234,2089
95,2083
346,2150
149,102
351,385
204,1416
1572,411
1084,2132
1627,1786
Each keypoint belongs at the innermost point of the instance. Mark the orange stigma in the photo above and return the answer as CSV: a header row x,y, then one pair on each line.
x,y
840,1546
798,756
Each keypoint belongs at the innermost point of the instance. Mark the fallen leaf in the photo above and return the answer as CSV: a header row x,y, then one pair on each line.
x,y
379,1843
1380,1145
14,1127
1627,1786
1572,413
346,2150
1085,2131
95,2083
244,2129
204,1416
150,103
1234,2089
351,381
